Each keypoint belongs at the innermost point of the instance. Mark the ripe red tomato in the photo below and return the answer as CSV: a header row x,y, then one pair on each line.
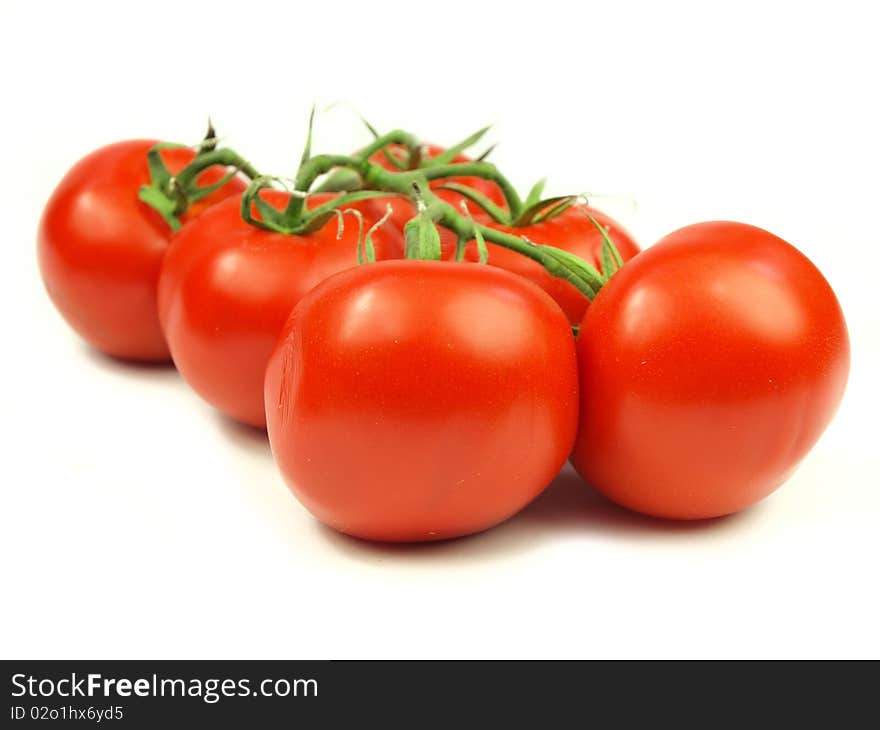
x,y
421,400
404,210
227,287
709,366
571,231
100,247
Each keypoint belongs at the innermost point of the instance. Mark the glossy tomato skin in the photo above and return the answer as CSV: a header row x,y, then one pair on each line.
x,y
100,248
421,400
403,210
227,288
709,366
571,231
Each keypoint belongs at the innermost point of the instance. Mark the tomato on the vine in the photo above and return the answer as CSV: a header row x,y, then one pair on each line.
x,y
100,247
709,366
421,400
571,231
227,287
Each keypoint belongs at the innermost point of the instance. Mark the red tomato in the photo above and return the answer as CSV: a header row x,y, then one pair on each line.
x,y
709,366
571,231
404,210
227,288
100,248
421,400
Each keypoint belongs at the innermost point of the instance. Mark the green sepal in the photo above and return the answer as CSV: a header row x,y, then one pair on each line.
x,y
611,259
460,247
198,193
163,205
530,213
534,195
271,219
448,155
160,177
554,210
158,193
295,204
482,251
591,278
370,128
307,148
488,151
608,264
369,253
269,213
317,222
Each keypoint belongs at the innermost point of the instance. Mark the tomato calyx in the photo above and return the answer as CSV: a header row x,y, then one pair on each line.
x,y
536,210
171,195
533,209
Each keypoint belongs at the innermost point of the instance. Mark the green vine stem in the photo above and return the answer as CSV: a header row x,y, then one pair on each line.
x,y
485,170
225,157
344,179
375,176
397,136
415,184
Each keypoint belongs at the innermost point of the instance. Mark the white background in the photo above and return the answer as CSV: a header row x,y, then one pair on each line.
x,y
136,522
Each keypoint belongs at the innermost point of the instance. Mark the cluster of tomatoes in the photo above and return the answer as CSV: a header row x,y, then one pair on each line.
x,y
410,399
